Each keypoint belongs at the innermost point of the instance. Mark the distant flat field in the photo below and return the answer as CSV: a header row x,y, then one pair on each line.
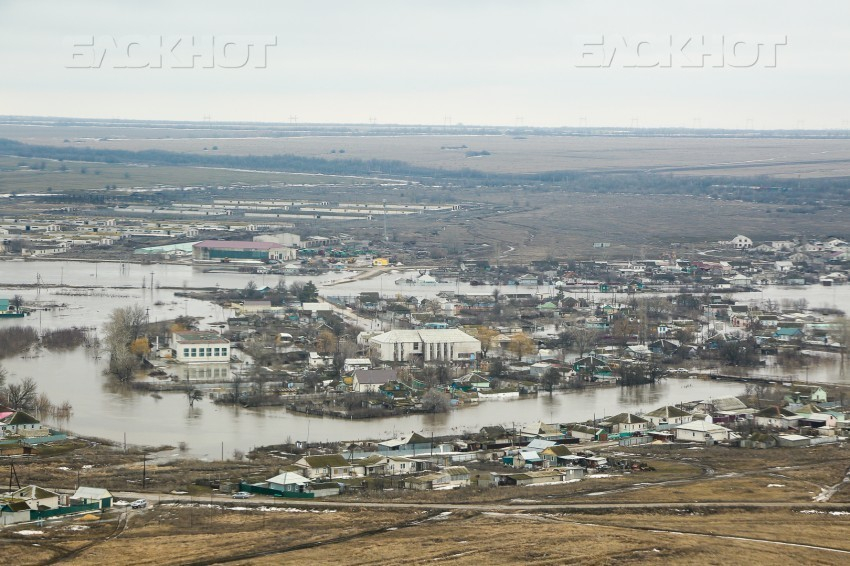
x,y
778,157
20,175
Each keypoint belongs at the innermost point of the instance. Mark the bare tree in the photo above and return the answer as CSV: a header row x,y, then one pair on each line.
x,y
584,339
551,379
435,401
21,395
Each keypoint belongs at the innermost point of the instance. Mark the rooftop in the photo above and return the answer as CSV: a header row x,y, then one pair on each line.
x,y
237,245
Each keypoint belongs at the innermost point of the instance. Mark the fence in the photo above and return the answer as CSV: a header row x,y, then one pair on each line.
x,y
35,515
823,440
250,488
635,440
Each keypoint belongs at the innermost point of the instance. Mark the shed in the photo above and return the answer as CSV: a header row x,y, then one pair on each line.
x,y
98,495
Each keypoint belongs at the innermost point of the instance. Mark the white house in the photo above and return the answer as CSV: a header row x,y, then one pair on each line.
x,y
741,242
626,422
200,346
327,466
288,481
371,380
351,364
777,417
36,498
700,431
21,424
99,495
668,415
446,344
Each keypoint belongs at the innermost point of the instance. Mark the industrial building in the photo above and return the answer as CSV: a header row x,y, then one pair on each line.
x,y
228,250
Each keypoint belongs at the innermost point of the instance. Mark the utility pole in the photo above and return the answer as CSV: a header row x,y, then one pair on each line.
x,y
144,469
386,239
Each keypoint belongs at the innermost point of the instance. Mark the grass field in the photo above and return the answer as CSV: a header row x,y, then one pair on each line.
x,y
25,176
778,157
203,535
559,224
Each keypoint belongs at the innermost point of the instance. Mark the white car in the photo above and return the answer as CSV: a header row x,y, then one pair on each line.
x,y
241,495
139,504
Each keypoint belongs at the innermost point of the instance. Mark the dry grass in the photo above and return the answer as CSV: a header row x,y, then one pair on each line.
x,y
25,180
691,156
179,535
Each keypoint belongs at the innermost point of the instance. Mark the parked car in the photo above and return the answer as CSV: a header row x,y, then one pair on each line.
x,y
241,495
139,504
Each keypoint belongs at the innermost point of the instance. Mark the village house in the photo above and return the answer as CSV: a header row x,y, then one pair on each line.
x,y
288,481
372,465
668,416
19,423
412,442
787,334
451,477
371,380
804,394
556,454
330,466
777,417
701,431
88,495
740,242
541,430
625,423
587,433
36,498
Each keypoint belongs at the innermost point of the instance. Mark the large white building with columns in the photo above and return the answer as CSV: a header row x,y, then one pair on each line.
x,y
431,345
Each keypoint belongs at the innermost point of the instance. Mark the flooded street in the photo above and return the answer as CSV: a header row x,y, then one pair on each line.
x,y
105,409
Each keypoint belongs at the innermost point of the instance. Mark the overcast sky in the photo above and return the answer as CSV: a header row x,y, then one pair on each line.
x,y
430,62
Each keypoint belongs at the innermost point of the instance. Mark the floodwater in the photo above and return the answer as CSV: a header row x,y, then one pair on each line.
x,y
105,409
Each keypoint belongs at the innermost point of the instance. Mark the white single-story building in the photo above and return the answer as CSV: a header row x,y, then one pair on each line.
x,y
371,380
288,481
700,431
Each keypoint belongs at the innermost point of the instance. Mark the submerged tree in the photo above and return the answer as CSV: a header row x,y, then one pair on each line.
x,y
123,328
194,395
551,379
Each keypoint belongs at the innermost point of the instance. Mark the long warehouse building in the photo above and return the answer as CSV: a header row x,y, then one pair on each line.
x,y
227,250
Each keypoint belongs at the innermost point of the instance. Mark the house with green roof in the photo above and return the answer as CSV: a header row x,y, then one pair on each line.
x,y
786,334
